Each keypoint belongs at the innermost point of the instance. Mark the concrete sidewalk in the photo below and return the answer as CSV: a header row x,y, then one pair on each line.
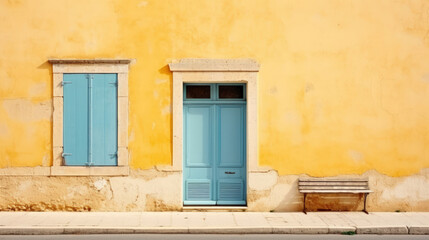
x,y
213,222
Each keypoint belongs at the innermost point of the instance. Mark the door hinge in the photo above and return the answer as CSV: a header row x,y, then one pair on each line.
x,y
114,154
66,154
65,82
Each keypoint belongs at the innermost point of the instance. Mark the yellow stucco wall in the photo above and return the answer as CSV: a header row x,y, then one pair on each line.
x,y
343,85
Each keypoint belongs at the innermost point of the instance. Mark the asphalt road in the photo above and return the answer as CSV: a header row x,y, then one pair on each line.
x,y
213,237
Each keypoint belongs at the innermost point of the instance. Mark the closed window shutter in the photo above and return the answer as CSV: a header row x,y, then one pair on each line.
x,y
103,119
75,119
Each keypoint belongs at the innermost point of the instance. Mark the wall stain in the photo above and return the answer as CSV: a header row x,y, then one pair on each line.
x,y
25,110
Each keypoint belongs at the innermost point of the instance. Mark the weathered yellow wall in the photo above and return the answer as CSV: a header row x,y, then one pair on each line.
x,y
343,85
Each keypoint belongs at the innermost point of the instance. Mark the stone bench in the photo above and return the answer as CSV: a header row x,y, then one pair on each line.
x,y
334,185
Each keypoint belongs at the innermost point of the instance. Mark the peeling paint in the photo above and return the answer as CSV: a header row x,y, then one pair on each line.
x,y
425,77
152,190
413,187
161,81
390,194
3,130
25,110
37,89
41,207
142,4
263,181
355,155
100,184
46,160
166,110
131,136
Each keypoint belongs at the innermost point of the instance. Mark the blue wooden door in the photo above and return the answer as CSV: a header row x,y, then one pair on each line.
x,y
199,154
214,147
231,164
90,119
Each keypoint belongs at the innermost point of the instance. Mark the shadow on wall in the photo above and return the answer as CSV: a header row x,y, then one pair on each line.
x,y
165,70
293,201
334,202
47,66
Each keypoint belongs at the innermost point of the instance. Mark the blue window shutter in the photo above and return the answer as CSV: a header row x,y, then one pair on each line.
x,y
75,119
103,120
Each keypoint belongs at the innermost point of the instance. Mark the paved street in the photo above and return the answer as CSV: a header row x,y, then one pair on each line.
x,y
213,237
42,223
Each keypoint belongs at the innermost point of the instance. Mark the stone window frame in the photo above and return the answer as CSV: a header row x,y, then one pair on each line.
x,y
194,70
91,66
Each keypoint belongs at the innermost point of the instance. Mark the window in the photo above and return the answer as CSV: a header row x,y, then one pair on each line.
x,y
198,91
90,119
228,92
231,92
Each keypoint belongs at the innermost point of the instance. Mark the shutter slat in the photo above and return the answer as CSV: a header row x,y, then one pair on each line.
x,y
104,119
336,191
333,183
333,180
75,119
332,187
230,191
198,191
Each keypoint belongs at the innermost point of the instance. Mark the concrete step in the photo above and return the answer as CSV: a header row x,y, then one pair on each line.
x,y
214,209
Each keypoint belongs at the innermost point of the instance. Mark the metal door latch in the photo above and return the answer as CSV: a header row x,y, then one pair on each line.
x,y
65,82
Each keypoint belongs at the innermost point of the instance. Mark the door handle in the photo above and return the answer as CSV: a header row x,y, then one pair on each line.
x,y
229,172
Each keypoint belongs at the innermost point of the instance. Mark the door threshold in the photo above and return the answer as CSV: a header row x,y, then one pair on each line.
x,y
214,208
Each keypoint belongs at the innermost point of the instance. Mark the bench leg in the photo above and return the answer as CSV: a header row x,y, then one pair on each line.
x,y
364,204
305,210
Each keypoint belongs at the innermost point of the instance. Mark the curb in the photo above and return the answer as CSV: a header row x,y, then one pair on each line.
x,y
37,230
382,230
300,230
231,230
341,230
419,230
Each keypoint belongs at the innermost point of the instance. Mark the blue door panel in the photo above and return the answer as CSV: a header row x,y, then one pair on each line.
x,y
104,120
199,173
75,119
231,135
198,135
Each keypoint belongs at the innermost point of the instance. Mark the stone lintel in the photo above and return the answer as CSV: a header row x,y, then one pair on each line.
x,y
90,61
214,65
